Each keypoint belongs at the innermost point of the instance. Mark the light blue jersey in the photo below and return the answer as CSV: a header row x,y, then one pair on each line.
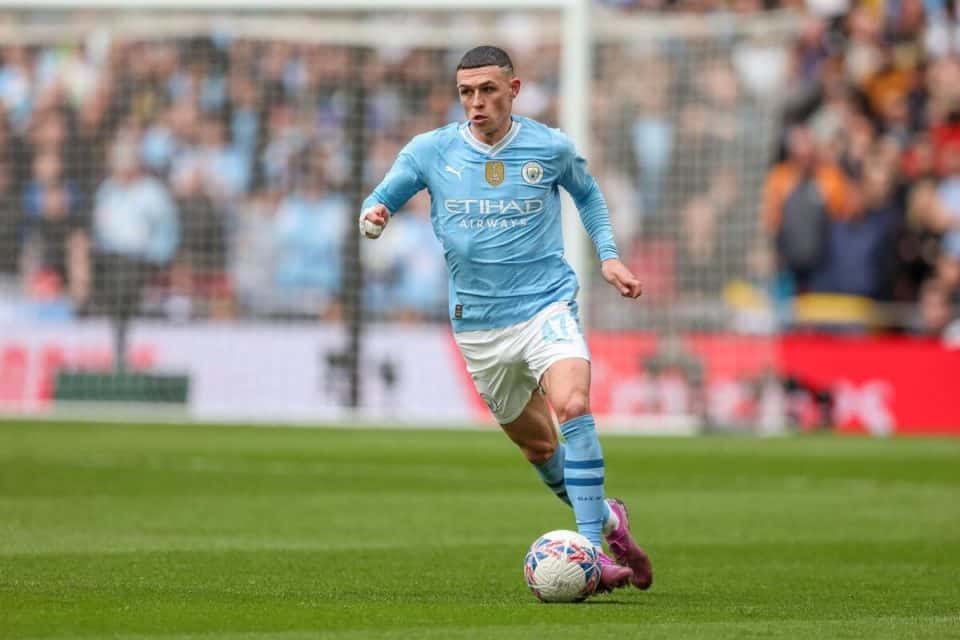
x,y
496,211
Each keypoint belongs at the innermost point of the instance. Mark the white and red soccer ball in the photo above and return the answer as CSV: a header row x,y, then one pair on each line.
x,y
561,566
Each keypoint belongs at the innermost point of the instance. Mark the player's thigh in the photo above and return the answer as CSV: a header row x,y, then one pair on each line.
x,y
533,431
557,353
566,383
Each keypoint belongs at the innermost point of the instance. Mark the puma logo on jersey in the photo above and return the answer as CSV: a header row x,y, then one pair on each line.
x,y
455,172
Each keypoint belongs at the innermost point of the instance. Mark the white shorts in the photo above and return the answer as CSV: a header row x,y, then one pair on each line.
x,y
507,363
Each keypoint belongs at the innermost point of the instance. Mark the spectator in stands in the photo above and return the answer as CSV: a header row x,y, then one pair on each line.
x,y
143,93
714,243
47,172
271,68
801,196
176,140
252,253
889,84
948,269
16,84
57,266
227,169
948,192
136,231
309,231
859,253
943,110
199,79
93,133
50,134
896,120
856,144
864,54
224,168
714,124
933,245
286,139
200,265
652,130
159,144
810,53
835,113
55,229
934,311
918,162
918,246
245,125
203,230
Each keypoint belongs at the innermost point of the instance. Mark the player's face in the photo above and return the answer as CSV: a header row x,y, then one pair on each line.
x,y
487,94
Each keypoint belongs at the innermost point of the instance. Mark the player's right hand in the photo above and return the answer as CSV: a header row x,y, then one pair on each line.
x,y
373,220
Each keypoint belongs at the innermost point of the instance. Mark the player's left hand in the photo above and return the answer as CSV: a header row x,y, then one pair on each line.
x,y
623,280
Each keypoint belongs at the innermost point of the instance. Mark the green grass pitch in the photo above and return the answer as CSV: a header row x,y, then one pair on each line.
x,y
138,531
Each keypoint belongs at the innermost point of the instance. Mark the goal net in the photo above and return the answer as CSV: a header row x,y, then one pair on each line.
x,y
178,197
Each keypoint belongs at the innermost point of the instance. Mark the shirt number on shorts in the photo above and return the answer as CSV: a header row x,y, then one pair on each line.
x,y
557,328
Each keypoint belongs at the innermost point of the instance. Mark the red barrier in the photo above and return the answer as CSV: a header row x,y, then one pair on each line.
x,y
878,385
914,382
720,375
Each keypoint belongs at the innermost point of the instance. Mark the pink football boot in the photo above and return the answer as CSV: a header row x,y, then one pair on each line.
x,y
626,550
612,575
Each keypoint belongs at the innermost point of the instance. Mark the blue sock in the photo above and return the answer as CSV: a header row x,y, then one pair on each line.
x,y
551,472
583,476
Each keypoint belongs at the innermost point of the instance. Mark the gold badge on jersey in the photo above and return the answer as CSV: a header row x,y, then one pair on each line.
x,y
494,173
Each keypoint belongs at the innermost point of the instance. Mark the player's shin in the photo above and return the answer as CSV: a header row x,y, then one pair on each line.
x,y
551,472
584,476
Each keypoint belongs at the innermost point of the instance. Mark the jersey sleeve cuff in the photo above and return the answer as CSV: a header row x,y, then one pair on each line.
x,y
609,254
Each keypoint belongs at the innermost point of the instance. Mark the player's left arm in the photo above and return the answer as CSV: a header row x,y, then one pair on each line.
x,y
592,206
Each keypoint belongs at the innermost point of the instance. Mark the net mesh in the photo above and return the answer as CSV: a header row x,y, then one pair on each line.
x,y
685,117
204,169
684,134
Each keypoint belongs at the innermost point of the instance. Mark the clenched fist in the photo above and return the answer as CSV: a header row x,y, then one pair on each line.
x,y
373,220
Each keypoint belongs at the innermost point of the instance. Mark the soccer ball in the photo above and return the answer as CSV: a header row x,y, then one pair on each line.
x,y
561,566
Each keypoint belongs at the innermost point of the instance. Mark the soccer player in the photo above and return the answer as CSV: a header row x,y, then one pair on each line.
x,y
493,182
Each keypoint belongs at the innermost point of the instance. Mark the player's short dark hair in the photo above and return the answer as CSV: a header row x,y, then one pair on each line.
x,y
485,56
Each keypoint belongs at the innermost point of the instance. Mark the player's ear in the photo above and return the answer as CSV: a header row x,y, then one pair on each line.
x,y
514,86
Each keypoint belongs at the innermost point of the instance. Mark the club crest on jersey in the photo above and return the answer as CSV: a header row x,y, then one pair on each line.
x,y
493,171
532,172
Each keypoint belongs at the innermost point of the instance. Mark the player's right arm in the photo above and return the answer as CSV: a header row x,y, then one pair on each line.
x,y
400,184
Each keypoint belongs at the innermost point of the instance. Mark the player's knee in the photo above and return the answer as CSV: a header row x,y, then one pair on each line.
x,y
578,404
539,452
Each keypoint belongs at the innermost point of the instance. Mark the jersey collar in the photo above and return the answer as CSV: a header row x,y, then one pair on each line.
x,y
490,149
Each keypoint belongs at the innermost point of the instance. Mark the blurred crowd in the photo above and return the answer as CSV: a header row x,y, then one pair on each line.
x,y
865,199
208,177
203,178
